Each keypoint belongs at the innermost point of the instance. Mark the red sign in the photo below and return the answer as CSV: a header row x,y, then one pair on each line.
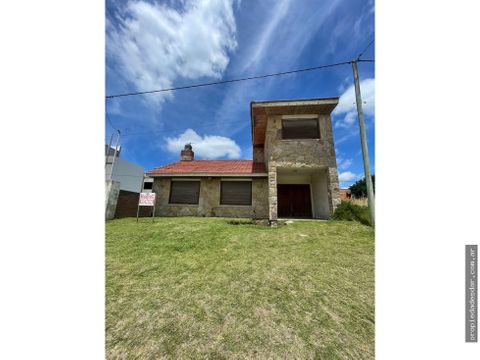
x,y
147,199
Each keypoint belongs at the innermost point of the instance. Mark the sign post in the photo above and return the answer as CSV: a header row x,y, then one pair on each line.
x,y
147,199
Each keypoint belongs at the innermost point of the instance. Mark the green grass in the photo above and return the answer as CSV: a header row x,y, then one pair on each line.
x,y
190,288
347,210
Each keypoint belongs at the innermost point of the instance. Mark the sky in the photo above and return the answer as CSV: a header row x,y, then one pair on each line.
x,y
162,44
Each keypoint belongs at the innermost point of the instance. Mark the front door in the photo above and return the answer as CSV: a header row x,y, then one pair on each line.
x,y
294,201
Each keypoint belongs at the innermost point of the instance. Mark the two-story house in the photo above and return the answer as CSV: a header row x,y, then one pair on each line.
x,y
293,173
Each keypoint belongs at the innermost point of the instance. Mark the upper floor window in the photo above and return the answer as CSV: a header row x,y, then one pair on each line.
x,y
300,129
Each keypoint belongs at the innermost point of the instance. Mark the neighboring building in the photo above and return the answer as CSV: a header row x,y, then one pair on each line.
x,y
130,178
293,173
129,175
344,194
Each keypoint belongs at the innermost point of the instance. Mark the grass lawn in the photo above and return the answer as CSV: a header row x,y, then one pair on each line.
x,y
184,288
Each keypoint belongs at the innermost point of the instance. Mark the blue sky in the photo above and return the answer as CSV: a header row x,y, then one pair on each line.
x,y
162,44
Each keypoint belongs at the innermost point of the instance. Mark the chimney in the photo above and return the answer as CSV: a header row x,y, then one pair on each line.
x,y
187,154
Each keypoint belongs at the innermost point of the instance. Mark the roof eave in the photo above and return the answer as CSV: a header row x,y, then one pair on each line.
x,y
207,175
299,102
330,103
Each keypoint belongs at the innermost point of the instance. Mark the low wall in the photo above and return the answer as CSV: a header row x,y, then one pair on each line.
x,y
127,204
112,188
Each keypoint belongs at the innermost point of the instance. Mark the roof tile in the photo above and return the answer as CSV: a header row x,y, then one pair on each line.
x,y
210,166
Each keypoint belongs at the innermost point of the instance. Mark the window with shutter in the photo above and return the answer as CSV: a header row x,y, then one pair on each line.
x,y
236,193
184,192
300,129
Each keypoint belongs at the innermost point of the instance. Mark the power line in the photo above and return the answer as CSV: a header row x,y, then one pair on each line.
x,y
360,55
227,81
242,79
108,118
110,121
127,132
222,82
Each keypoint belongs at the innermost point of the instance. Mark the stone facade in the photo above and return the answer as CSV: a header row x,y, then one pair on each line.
x,y
334,189
316,153
305,154
291,163
258,154
272,191
209,200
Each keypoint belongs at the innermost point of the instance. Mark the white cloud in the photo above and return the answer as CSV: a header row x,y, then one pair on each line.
x,y
206,147
344,163
273,45
276,46
269,30
347,104
347,136
155,44
348,176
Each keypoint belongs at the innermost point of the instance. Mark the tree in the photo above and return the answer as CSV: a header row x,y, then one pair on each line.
x,y
359,189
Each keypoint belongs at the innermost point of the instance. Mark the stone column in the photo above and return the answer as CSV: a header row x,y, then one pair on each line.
x,y
333,189
272,193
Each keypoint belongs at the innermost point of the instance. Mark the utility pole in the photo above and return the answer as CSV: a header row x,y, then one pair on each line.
x,y
115,152
363,139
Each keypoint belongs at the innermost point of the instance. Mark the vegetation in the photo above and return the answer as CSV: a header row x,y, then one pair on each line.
x,y
359,189
183,288
348,210
358,201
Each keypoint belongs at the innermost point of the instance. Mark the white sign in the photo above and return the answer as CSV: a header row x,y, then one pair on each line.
x,y
147,199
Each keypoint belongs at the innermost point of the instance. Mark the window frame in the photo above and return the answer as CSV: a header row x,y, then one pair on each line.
x,y
293,119
183,203
239,181
150,184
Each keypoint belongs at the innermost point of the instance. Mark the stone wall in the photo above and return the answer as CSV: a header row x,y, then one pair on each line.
x,y
314,153
258,154
334,189
272,191
209,201
311,154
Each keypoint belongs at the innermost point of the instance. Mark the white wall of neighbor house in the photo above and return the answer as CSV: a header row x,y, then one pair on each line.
x,y
318,189
129,175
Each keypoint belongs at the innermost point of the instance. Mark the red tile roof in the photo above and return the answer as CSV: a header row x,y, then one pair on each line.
x,y
344,194
210,167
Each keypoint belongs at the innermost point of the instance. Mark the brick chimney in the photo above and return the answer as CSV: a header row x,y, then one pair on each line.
x,y
187,154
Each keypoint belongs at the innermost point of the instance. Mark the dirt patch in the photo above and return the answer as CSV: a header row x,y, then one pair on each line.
x,y
254,222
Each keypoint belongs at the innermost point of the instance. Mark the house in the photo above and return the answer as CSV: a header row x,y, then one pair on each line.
x,y
344,194
293,173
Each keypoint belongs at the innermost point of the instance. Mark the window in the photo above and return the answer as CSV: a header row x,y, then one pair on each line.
x,y
300,129
148,185
236,193
184,192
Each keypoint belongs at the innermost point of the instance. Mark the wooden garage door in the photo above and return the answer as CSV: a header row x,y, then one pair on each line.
x,y
294,201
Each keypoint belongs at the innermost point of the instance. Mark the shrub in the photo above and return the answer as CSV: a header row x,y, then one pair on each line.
x,y
351,212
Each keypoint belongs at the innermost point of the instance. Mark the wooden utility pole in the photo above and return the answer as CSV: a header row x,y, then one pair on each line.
x,y
363,139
